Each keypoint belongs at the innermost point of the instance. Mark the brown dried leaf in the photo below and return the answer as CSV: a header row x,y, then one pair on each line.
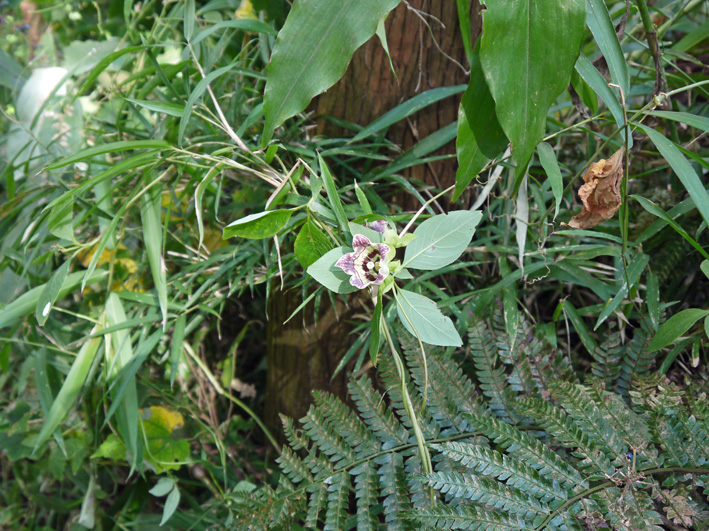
x,y
600,194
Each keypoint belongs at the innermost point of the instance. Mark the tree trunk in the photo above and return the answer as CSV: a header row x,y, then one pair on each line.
x,y
303,358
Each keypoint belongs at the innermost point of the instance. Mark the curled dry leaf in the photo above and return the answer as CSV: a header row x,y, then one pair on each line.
x,y
600,193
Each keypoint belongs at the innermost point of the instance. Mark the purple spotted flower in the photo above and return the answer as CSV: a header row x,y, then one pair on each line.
x,y
380,226
367,264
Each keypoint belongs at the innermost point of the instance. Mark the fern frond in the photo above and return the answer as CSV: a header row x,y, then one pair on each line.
x,y
449,390
319,465
491,463
637,359
566,432
293,466
577,402
295,439
430,428
393,483
630,427
367,493
348,425
607,357
530,450
327,440
375,413
488,492
337,501
492,379
285,506
466,517
316,502
629,509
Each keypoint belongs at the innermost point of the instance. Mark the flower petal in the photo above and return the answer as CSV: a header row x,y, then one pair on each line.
x,y
383,251
357,281
346,263
360,242
380,226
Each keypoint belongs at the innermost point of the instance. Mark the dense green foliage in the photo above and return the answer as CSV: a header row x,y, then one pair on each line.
x,y
161,180
512,460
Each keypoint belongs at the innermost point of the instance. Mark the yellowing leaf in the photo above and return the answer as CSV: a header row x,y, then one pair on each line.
x,y
162,418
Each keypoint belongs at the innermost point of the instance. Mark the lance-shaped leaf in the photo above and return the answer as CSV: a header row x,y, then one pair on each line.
x,y
480,137
313,50
527,51
258,226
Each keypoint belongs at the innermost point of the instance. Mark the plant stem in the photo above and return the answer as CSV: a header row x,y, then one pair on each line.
x,y
408,405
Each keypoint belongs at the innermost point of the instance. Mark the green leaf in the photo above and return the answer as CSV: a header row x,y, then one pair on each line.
x,y
675,327
50,293
152,237
162,487
551,167
125,396
113,147
480,137
178,336
173,500
310,244
465,29
329,275
414,156
653,299
164,450
693,120
173,109
245,24
635,269
196,94
510,311
599,21
362,198
104,63
682,169
422,318
527,51
69,392
333,196
655,210
258,226
27,302
440,240
599,85
704,266
406,109
189,22
313,50
60,220
199,194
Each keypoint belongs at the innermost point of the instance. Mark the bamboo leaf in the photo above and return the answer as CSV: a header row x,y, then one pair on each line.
x,y
69,392
675,327
51,292
113,147
551,167
682,169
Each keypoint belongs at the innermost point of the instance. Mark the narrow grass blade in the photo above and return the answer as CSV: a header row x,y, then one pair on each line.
x,y
70,389
152,237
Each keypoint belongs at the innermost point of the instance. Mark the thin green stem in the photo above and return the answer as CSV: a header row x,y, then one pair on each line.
x,y
408,405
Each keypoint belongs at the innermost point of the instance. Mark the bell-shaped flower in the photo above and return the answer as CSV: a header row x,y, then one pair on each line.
x,y
367,264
